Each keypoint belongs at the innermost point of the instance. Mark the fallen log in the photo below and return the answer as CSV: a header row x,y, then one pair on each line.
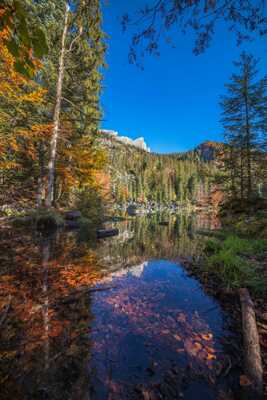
x,y
252,352
103,233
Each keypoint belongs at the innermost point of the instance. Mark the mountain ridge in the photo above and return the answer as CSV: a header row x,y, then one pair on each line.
x,y
137,176
208,150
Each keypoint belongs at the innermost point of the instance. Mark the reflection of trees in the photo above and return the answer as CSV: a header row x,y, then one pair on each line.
x,y
154,241
43,341
45,345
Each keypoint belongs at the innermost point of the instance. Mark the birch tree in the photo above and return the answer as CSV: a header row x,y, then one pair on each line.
x,y
56,118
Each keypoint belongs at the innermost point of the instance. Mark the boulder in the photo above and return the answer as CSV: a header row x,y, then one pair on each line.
x,y
131,210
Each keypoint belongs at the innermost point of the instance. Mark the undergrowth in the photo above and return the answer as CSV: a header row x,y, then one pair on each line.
x,y
233,260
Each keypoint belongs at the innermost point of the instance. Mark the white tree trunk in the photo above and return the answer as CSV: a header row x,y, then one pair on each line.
x,y
55,134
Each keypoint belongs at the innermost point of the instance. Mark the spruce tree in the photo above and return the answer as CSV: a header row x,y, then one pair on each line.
x,y
242,119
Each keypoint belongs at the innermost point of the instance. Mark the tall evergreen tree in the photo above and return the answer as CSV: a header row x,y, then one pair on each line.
x,y
242,119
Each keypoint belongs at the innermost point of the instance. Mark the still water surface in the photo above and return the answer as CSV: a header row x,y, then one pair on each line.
x,y
112,319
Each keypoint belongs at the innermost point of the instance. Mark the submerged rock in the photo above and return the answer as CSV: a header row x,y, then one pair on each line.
x,y
131,210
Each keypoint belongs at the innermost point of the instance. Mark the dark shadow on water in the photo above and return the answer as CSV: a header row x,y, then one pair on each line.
x,y
151,333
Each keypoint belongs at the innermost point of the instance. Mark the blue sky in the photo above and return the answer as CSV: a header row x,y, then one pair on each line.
x,y
173,103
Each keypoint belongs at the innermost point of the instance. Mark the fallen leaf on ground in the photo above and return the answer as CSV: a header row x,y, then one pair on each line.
x,y
244,380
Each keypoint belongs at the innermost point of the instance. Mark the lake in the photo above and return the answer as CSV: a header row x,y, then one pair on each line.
x,y
116,318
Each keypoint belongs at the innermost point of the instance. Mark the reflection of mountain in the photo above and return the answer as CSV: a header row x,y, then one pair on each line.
x,y
135,270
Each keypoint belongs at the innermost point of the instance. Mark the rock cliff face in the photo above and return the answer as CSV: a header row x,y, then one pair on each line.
x,y
210,151
139,142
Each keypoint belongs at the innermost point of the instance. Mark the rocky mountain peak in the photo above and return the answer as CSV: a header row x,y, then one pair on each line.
x,y
139,142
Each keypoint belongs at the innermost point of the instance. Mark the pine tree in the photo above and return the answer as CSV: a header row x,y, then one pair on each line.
x,y
243,124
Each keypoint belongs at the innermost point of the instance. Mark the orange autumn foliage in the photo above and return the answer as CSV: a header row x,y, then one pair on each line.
x,y
80,162
12,83
23,144
18,92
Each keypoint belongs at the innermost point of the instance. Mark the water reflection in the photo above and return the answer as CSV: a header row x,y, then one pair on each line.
x,y
147,327
144,238
151,327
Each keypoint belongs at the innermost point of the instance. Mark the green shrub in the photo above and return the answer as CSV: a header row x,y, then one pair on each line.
x,y
212,246
244,246
90,203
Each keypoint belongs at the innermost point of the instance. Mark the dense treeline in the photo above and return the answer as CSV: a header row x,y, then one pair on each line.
x,y
139,176
49,106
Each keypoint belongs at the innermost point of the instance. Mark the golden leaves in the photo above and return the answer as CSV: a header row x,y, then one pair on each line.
x,y
207,336
192,347
36,96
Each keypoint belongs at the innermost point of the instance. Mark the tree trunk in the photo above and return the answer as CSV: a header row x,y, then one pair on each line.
x,y
242,174
252,353
41,179
248,146
55,134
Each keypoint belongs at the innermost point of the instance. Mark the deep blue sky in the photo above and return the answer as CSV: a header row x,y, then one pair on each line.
x,y
173,103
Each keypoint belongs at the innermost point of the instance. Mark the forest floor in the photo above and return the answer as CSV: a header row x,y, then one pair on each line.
x,y
236,257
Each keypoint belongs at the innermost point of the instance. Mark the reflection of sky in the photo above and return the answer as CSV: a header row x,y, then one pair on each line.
x,y
155,315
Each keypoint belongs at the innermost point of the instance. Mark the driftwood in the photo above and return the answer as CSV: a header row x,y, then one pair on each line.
x,y
252,352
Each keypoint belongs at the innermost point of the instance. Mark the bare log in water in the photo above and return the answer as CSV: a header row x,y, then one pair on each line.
x,y
252,356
